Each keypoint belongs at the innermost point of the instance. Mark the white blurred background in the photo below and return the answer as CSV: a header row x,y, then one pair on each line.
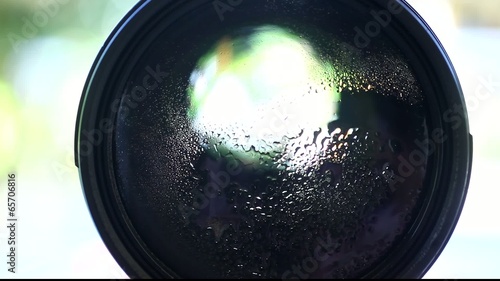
x,y
45,60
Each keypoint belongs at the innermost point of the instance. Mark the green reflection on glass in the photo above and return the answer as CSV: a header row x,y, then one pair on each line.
x,y
259,90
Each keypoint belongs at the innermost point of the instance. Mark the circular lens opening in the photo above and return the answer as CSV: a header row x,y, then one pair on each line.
x,y
287,140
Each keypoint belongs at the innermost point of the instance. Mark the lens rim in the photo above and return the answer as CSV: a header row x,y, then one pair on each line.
x,y
93,152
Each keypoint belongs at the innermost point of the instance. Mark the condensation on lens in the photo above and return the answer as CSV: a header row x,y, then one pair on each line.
x,y
292,157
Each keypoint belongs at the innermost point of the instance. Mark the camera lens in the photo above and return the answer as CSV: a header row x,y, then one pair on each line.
x,y
273,139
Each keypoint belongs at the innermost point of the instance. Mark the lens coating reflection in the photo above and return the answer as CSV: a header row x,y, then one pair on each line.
x,y
275,160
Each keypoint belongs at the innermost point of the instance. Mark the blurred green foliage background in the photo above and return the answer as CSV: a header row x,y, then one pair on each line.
x,y
43,44
46,50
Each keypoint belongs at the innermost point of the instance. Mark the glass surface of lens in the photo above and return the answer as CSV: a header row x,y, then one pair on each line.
x,y
275,148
